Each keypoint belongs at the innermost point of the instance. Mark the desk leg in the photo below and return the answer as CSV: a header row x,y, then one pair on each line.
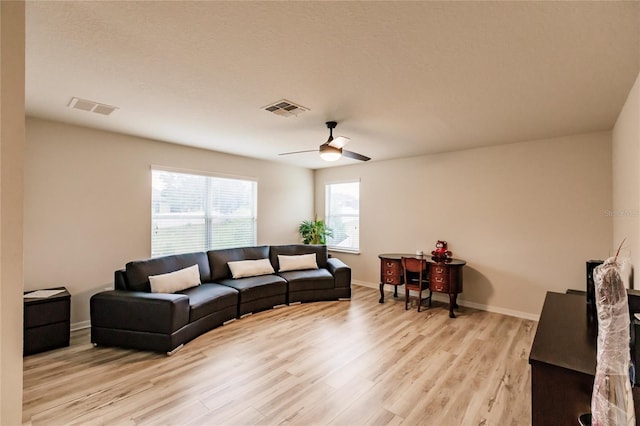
x,y
395,292
452,303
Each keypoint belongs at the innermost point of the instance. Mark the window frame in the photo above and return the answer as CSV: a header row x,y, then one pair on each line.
x,y
207,216
327,215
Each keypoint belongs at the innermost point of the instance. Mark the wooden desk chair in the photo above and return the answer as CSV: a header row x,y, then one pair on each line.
x,y
415,278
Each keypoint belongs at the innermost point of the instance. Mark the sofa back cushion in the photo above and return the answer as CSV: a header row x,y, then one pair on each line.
x,y
320,251
218,259
138,271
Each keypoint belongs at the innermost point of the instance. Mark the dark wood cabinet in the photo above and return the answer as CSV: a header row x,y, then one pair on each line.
x,y
47,322
563,361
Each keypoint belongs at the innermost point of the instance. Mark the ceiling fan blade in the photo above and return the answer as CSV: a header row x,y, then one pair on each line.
x,y
339,141
355,155
332,150
298,152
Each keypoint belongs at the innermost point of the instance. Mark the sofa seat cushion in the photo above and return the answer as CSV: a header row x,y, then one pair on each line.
x,y
158,313
254,288
312,279
206,299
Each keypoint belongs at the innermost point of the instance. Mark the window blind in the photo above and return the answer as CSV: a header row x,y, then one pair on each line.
x,y
193,212
342,215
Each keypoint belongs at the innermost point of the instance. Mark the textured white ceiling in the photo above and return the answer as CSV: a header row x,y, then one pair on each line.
x,y
401,78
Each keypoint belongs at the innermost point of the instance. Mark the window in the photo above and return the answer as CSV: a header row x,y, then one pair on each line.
x,y
192,212
342,205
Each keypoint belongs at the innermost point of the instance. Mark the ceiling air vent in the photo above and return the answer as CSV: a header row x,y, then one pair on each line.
x,y
91,106
285,108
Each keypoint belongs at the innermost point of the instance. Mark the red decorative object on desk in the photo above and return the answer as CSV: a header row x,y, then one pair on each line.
x,y
441,254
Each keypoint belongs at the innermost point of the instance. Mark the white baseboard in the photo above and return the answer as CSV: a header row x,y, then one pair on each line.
x,y
365,284
80,325
439,297
479,306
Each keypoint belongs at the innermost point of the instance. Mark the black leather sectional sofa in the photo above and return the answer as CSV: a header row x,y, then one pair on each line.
x,y
132,316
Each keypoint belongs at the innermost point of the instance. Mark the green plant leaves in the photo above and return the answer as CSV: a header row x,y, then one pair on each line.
x,y
314,232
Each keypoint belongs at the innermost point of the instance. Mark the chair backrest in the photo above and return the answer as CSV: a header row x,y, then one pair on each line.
x,y
414,265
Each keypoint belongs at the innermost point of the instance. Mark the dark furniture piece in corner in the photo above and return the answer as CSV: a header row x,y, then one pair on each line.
x,y
415,279
563,362
634,308
46,322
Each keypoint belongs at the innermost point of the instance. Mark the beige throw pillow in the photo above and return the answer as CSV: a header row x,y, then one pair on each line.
x,y
298,262
175,281
250,268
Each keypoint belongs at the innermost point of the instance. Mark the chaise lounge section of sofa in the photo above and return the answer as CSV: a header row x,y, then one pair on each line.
x,y
132,316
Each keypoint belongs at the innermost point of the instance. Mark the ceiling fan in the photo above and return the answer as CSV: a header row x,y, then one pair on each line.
x,y
332,150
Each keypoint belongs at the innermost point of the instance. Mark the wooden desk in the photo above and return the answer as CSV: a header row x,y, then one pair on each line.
x,y
444,277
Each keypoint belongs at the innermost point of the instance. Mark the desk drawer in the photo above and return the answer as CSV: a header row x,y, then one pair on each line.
x,y
43,338
38,314
439,278
390,272
439,287
393,280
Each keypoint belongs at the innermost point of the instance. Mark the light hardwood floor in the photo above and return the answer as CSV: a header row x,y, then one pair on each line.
x,y
333,363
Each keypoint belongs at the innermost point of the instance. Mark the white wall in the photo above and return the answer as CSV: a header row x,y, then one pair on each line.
x,y
12,137
88,203
525,216
626,179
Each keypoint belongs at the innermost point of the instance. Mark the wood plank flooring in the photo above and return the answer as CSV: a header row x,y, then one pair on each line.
x,y
324,363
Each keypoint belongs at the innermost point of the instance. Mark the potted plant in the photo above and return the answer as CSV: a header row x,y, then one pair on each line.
x,y
314,231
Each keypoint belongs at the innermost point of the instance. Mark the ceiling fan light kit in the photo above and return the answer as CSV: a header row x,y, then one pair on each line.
x,y
330,153
332,150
